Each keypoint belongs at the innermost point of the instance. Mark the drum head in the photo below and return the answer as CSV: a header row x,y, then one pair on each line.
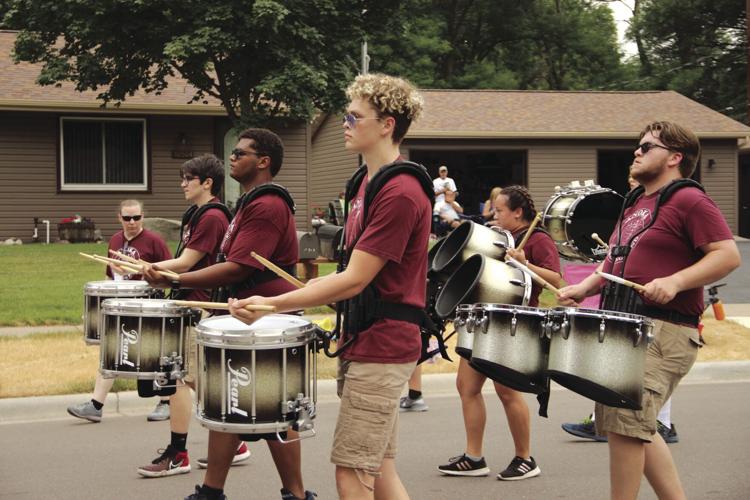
x,y
123,288
144,307
270,330
597,213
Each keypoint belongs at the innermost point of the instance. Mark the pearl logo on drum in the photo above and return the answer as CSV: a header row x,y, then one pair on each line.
x,y
128,338
235,380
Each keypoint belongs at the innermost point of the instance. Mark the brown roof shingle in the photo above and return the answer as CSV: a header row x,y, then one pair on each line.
x,y
554,114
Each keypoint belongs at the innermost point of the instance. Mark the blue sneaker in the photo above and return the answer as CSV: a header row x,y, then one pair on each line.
x,y
585,430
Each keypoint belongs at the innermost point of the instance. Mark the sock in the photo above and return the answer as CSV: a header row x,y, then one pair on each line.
x,y
414,394
476,459
97,404
164,402
211,493
665,414
179,441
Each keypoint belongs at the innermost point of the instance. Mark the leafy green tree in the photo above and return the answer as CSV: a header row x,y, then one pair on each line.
x,y
263,59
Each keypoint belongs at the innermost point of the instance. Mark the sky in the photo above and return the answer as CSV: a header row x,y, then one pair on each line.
x,y
622,11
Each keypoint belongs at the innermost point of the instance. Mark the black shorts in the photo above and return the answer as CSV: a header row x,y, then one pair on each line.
x,y
268,436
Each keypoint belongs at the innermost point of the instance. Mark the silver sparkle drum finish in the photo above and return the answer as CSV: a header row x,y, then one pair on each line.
x,y
145,339
469,239
485,280
95,292
510,345
259,378
600,354
465,340
574,213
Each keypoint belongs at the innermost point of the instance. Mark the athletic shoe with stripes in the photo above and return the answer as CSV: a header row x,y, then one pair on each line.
x,y
464,466
520,469
240,455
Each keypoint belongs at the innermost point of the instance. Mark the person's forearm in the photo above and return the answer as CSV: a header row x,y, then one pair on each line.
x,y
458,208
552,277
179,265
712,267
334,288
593,283
225,273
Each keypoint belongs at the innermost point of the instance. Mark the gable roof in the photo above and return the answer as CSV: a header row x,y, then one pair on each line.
x,y
556,114
19,91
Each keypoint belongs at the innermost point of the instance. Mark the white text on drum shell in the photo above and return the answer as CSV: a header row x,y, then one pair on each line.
x,y
128,337
236,379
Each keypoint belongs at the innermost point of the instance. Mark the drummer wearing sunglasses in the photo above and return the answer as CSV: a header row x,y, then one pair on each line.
x,y
687,235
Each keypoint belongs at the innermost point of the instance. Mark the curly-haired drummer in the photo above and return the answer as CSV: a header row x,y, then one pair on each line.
x,y
670,220
387,242
514,212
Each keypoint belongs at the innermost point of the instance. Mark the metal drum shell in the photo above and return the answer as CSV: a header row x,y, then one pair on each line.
x,y
139,309
510,345
95,292
481,279
600,354
468,239
465,338
258,343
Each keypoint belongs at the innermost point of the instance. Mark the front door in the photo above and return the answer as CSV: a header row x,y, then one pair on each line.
x,y
231,186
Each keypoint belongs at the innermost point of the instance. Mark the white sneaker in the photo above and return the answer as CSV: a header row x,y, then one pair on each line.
x,y
408,404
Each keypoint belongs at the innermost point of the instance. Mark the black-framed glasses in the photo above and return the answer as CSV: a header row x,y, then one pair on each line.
x,y
648,146
351,121
239,153
128,218
187,178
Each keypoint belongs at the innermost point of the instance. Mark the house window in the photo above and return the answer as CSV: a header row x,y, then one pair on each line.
x,y
98,155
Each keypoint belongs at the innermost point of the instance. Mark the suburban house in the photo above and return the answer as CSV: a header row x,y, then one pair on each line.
x,y
62,154
543,139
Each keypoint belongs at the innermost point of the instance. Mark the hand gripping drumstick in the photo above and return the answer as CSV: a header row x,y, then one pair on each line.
x,y
622,281
533,225
282,274
221,305
130,259
596,238
546,284
134,268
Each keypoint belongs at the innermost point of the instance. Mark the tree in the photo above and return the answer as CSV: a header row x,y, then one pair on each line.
x,y
263,59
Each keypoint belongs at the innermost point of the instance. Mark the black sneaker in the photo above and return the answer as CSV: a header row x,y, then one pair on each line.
x,y
198,495
464,466
288,495
520,469
669,434
585,429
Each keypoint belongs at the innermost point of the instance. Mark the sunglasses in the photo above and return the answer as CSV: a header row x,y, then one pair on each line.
x,y
351,121
648,146
128,218
239,153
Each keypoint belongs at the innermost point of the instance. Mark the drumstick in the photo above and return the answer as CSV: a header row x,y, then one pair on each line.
x,y
134,268
530,230
283,274
535,276
622,281
596,238
128,258
221,305
279,272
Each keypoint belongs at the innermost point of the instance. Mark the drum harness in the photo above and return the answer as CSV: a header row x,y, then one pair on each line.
x,y
223,293
616,297
358,313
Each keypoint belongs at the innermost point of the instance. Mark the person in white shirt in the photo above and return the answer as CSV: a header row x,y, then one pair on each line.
x,y
442,184
448,210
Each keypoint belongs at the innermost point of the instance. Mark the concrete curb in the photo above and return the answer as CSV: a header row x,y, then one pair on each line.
x,y
18,410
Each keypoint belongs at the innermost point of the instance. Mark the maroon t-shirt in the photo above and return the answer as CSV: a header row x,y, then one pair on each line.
x,y
541,251
398,228
147,245
264,226
689,220
206,236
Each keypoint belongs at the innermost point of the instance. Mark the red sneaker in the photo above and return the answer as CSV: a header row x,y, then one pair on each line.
x,y
242,454
169,463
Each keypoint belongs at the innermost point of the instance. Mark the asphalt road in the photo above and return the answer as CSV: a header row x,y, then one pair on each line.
x,y
71,459
737,290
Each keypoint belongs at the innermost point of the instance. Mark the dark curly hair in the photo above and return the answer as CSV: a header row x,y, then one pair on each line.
x,y
267,144
519,197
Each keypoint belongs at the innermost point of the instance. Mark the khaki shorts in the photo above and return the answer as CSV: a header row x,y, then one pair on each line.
x,y
367,427
669,357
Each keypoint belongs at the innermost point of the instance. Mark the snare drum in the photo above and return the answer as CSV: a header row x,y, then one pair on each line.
x,y
94,292
600,354
574,213
256,379
510,345
465,337
145,339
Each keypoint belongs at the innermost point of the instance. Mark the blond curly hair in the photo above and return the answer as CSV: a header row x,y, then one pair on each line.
x,y
389,95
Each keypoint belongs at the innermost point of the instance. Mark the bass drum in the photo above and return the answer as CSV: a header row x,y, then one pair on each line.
x,y
574,213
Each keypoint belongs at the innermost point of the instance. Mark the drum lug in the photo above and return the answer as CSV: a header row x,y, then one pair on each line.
x,y
602,327
513,323
470,324
484,323
565,329
638,336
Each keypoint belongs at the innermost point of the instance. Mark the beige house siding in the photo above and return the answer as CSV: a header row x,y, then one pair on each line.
x,y
331,164
293,174
721,181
